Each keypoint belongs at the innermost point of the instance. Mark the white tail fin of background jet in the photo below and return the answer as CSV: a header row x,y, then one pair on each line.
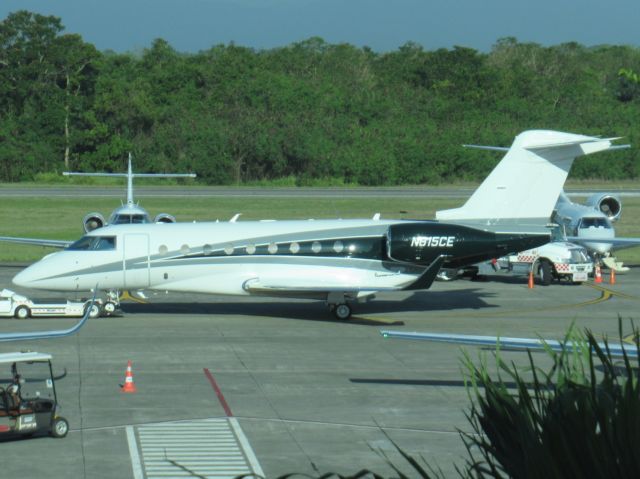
x,y
524,187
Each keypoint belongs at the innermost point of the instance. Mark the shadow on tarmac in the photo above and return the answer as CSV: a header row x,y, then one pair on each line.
x,y
475,298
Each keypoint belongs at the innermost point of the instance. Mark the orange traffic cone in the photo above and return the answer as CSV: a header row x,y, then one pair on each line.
x,y
597,276
530,284
612,276
129,385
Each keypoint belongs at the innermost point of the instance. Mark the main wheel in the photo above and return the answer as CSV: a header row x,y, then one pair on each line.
x,y
342,311
545,273
59,427
94,312
22,312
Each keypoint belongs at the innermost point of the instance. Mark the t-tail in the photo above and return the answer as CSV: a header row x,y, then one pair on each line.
x,y
524,187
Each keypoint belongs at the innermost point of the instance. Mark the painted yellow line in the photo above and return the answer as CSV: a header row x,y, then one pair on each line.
x,y
612,291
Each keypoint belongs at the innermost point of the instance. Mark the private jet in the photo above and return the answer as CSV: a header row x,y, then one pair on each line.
x,y
128,213
337,261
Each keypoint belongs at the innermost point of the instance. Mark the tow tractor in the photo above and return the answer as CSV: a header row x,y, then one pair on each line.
x,y
28,401
18,306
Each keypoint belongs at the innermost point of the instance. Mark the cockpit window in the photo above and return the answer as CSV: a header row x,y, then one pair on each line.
x,y
125,219
94,243
594,223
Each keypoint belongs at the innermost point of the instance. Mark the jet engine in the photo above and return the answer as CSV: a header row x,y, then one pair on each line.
x,y
607,203
164,218
92,221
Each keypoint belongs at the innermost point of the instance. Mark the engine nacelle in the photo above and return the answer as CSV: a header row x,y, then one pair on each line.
x,y
607,203
164,218
92,221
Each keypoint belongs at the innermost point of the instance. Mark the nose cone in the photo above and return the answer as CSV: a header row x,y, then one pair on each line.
x,y
44,274
27,278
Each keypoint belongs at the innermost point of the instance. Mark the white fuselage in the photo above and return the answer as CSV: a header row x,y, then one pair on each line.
x,y
222,257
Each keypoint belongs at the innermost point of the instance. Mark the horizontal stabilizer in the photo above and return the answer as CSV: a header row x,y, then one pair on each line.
x,y
521,344
524,187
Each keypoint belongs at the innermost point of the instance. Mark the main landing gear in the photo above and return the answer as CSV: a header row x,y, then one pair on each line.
x,y
341,311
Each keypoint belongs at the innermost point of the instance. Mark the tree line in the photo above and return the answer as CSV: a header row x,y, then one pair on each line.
x,y
305,113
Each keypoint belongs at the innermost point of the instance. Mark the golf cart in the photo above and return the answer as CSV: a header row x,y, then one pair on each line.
x,y
28,402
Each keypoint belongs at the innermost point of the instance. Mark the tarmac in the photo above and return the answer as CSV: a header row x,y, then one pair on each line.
x,y
278,386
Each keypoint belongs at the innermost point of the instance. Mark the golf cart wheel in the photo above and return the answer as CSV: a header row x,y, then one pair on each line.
x,y
60,427
109,307
22,312
342,311
94,312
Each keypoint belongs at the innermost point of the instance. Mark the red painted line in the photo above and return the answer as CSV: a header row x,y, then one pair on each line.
x,y
221,398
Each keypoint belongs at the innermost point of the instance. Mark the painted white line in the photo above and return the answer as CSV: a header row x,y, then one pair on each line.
x,y
133,452
244,443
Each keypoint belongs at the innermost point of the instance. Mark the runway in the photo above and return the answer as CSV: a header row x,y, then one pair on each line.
x,y
421,191
310,394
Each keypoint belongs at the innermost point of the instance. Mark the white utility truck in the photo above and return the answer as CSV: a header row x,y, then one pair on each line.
x,y
18,306
556,260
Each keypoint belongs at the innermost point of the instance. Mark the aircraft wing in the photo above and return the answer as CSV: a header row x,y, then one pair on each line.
x,y
520,344
36,242
424,281
618,243
56,333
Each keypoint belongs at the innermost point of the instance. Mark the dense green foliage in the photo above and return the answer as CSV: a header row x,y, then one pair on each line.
x,y
307,111
581,418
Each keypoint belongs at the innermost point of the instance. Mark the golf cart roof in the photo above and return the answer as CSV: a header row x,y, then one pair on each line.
x,y
10,358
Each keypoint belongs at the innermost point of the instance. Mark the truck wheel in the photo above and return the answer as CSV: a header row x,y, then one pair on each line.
x,y
94,312
22,312
59,427
545,273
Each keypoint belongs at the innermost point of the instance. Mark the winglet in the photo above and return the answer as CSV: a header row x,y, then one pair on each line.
x,y
426,279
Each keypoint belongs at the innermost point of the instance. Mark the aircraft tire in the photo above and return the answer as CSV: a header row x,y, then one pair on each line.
x,y
545,273
22,312
342,311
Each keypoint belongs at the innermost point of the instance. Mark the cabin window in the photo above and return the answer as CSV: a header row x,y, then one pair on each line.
x,y
251,249
273,248
206,250
316,247
184,249
163,249
228,249
94,243
294,247
338,246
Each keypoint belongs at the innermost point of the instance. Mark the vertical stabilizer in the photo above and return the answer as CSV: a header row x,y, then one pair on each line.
x,y
524,187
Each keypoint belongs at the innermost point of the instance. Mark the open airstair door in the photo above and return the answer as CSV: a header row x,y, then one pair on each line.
x,y
135,261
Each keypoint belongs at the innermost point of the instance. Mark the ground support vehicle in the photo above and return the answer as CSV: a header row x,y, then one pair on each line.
x,y
558,260
28,401
21,307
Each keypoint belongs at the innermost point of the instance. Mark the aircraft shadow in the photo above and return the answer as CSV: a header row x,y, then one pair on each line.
x,y
317,310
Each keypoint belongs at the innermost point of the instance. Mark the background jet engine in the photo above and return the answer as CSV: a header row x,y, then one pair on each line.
x,y
607,203
92,221
164,218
